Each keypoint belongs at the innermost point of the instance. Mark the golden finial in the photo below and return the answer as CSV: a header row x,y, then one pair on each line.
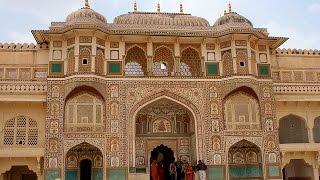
x,y
87,5
135,8
181,7
230,8
158,7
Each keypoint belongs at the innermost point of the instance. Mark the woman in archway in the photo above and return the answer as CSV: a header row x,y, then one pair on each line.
x,y
154,170
189,174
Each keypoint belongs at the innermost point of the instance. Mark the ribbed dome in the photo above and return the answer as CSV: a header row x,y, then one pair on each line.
x,y
85,15
233,18
148,18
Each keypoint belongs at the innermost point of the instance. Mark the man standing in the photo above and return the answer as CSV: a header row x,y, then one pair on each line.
x,y
154,170
179,164
201,167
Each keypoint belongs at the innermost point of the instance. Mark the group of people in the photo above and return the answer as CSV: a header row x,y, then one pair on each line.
x,y
179,170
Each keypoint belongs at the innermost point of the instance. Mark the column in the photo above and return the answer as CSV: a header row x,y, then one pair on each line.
x,y
234,56
316,173
310,135
76,54
94,53
149,58
249,57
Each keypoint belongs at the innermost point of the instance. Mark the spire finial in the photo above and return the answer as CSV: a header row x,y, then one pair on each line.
x,y
87,5
135,8
181,7
158,7
225,12
230,7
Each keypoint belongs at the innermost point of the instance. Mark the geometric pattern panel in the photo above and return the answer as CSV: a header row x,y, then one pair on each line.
x,y
117,174
245,171
71,174
216,173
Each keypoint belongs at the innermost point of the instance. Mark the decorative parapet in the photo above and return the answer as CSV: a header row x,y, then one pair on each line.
x,y
296,89
303,52
25,88
25,46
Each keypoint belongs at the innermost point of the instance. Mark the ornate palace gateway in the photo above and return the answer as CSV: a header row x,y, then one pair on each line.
x,y
95,100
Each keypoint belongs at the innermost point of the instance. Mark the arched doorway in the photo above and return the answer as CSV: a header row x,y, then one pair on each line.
x,y
164,157
84,162
168,122
20,173
245,161
297,169
85,169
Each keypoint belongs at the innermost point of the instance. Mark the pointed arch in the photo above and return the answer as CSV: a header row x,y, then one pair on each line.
x,y
163,62
84,110
293,129
242,110
190,62
316,130
153,98
135,61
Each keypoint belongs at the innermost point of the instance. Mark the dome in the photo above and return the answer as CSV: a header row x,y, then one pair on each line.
x,y
157,18
85,15
233,18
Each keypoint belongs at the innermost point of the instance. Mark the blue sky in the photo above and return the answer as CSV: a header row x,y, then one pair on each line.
x,y
296,19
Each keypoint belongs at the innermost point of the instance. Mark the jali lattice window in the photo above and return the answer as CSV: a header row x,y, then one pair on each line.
x,y
136,62
21,130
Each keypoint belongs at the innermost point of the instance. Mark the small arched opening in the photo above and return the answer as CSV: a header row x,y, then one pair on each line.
x,y
85,162
292,129
245,161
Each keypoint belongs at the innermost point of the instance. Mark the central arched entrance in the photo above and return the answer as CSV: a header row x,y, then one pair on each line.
x,y
164,121
85,169
164,157
245,161
84,162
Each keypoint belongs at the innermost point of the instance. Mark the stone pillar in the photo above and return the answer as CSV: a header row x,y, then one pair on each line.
x,y
249,57
315,173
310,135
93,54
76,54
1,176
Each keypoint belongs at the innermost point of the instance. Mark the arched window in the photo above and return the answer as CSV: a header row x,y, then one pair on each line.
x,y
292,129
84,113
190,63
21,130
163,62
242,112
136,62
316,130
244,158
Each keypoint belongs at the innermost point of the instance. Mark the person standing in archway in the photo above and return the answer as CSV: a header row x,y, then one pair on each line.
x,y
179,164
172,170
201,167
189,174
161,171
154,170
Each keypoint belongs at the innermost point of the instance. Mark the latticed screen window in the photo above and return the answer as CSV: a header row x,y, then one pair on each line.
x,y
21,130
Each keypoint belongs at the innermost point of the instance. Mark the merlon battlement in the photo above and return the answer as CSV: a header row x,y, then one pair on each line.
x,y
25,46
